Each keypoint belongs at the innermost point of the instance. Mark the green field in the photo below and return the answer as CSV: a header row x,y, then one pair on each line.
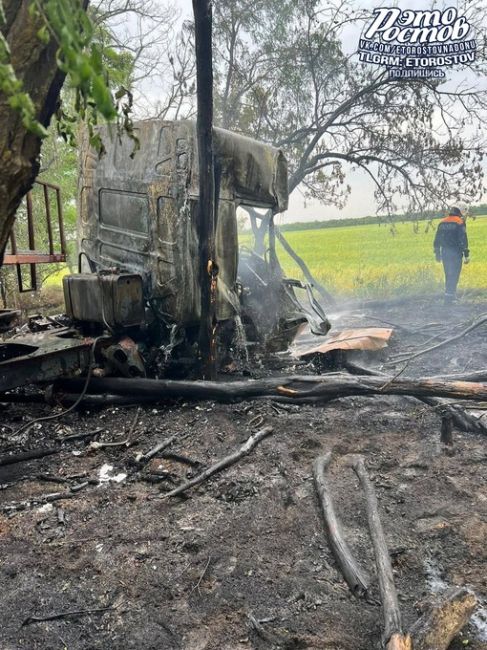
x,y
370,261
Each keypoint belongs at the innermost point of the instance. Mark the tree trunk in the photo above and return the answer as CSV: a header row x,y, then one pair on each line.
x,y
206,205
35,65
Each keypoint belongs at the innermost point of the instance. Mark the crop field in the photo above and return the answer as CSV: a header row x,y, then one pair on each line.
x,y
371,261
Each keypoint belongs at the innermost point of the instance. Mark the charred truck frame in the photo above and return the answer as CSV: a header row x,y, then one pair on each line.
x,y
136,297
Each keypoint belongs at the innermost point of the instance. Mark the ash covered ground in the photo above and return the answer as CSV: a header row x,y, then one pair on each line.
x,y
189,573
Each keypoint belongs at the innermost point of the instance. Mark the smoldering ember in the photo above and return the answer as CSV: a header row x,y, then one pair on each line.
x,y
237,411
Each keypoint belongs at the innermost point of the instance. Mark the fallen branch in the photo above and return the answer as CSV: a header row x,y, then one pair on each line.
x,y
179,458
461,418
197,585
394,639
269,637
44,498
72,614
347,564
48,478
102,445
480,321
222,464
475,375
145,458
133,424
301,388
436,629
79,436
28,455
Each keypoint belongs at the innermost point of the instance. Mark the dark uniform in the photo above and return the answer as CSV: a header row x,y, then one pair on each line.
x,y
451,245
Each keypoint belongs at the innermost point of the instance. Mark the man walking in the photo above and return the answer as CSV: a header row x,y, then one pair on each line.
x,y
451,245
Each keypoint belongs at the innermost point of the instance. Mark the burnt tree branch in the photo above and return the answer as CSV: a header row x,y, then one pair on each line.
x,y
326,295
393,635
301,389
351,571
223,463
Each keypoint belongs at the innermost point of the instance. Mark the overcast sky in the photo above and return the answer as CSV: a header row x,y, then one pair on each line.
x,y
361,201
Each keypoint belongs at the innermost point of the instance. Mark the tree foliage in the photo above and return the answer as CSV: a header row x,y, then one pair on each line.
x,y
78,55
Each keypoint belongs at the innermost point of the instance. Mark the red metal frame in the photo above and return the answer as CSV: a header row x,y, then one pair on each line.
x,y
31,256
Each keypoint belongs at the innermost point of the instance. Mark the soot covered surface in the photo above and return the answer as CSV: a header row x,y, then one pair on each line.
x,y
188,573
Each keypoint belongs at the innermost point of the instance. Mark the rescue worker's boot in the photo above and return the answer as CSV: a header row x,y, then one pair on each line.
x,y
450,299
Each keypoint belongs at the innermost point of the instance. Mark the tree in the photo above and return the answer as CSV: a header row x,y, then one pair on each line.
x,y
179,82
35,66
283,76
141,30
40,44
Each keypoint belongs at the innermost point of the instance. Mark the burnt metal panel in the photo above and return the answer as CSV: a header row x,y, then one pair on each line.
x,y
8,319
126,211
42,357
113,300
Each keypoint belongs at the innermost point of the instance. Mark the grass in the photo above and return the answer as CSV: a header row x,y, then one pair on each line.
x,y
55,279
370,261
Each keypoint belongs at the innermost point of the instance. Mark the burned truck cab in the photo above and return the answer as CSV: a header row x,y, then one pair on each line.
x,y
134,305
138,240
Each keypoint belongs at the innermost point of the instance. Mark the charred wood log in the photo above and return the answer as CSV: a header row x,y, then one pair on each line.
x,y
446,436
436,629
463,420
351,571
301,389
28,455
394,639
67,399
